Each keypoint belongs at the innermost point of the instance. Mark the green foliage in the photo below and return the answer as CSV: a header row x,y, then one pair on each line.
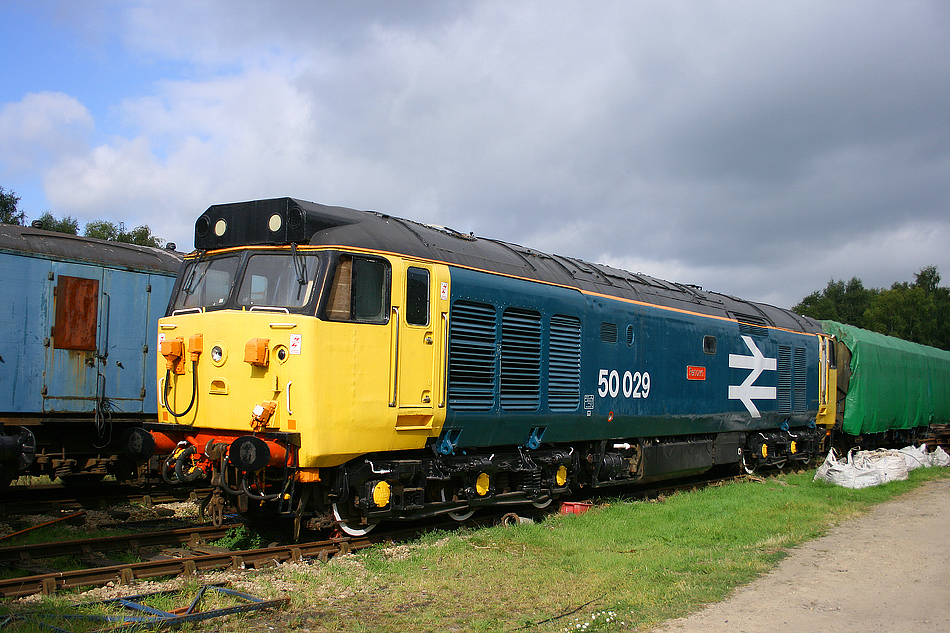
x,y
116,232
102,230
9,214
239,538
68,224
839,301
918,311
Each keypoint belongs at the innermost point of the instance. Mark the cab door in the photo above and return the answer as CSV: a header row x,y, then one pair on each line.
x,y
419,345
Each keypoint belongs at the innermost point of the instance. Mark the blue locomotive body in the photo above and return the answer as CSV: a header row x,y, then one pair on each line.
x,y
532,363
76,347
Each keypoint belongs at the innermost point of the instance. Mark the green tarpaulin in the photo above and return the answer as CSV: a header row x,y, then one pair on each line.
x,y
895,384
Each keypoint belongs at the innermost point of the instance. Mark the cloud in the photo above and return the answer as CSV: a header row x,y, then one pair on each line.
x,y
754,148
40,128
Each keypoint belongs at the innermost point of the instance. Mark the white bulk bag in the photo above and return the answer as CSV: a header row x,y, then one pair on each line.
x,y
849,473
939,457
916,456
890,462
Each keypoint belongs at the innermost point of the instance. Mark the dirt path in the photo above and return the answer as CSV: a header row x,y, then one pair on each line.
x,y
886,571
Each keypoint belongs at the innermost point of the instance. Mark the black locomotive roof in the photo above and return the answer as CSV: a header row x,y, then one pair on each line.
x,y
287,220
62,246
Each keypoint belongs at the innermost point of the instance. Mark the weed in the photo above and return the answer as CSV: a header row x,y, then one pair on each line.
x,y
239,538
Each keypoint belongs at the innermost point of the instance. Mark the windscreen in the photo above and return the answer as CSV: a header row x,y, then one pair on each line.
x,y
278,280
207,283
263,280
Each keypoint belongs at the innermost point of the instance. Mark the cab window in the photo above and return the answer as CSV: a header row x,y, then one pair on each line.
x,y
207,283
278,280
417,296
359,290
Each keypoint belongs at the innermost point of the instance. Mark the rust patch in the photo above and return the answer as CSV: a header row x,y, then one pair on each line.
x,y
77,305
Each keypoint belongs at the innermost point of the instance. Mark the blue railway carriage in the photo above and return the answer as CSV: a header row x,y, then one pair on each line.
x,y
76,349
350,367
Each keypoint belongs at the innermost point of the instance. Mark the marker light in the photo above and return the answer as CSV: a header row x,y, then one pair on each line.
x,y
381,494
481,484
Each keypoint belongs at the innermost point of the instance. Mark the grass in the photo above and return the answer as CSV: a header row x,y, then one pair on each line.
x,y
622,566
239,538
60,614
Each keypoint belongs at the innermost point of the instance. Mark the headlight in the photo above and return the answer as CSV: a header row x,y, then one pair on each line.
x,y
218,353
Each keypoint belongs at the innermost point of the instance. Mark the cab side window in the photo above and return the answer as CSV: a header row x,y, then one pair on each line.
x,y
417,296
359,291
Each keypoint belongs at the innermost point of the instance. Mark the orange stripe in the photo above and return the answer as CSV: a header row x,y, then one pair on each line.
x,y
589,293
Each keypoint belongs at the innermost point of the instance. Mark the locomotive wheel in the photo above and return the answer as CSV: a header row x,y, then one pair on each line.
x,y
746,465
350,528
458,515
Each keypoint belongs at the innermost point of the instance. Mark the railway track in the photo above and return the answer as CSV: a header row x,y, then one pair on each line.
x,y
54,497
193,536
183,565
197,561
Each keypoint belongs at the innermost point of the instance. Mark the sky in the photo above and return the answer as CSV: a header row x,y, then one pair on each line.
x,y
759,149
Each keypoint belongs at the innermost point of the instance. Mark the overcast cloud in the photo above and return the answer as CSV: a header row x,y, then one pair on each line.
x,y
754,148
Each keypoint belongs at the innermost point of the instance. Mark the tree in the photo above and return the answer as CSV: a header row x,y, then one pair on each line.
x,y
102,230
839,301
9,214
116,232
904,311
68,224
918,311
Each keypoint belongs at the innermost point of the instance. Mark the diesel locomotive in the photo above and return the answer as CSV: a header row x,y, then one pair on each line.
x,y
345,367
77,351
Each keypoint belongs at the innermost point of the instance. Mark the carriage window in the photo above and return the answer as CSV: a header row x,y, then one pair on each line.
x,y
417,296
709,344
207,283
359,291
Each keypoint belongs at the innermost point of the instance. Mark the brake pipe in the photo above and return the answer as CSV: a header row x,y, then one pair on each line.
x,y
194,390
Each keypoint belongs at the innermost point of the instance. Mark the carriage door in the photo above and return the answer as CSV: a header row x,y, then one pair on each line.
x,y
95,358
70,381
417,348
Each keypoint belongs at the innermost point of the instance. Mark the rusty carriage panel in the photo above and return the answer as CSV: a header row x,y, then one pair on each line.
x,y
77,309
97,353
69,378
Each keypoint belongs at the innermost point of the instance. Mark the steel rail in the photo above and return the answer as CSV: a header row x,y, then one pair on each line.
x,y
83,547
189,565
36,500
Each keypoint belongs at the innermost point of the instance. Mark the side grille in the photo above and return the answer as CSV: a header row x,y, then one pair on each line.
x,y
784,379
801,378
564,372
752,330
520,360
608,333
792,379
472,357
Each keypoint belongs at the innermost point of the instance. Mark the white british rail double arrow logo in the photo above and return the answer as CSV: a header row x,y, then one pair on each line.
x,y
748,391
